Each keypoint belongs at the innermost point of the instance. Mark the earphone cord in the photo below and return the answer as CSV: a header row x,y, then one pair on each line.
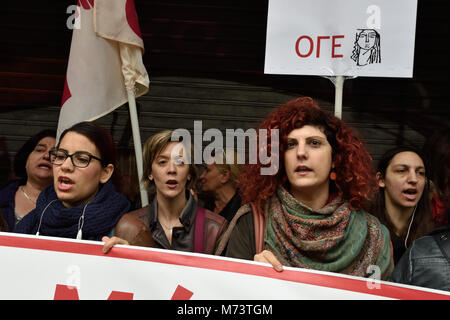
x,y
409,228
80,232
42,214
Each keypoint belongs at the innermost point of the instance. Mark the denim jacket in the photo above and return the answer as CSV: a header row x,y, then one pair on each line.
x,y
424,265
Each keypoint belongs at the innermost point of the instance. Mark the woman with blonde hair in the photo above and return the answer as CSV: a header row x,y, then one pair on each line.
x,y
173,216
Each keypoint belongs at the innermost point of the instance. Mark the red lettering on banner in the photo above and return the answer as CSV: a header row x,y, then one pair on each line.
x,y
63,292
119,295
318,44
181,293
334,45
311,46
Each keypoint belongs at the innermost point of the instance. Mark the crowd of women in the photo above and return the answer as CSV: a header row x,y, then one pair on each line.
x,y
326,208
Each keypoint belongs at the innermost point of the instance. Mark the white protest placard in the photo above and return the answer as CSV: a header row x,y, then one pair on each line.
x,y
56,268
341,37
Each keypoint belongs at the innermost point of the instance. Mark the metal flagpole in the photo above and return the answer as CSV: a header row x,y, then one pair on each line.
x,y
137,144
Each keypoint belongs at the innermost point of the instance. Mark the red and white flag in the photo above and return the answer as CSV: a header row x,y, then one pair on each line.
x,y
105,61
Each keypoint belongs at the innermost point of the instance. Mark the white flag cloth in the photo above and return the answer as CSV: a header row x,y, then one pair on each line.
x,y
105,60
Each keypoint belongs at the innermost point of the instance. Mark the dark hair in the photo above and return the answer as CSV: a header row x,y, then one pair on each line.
x,y
126,164
3,224
104,142
423,222
21,157
437,150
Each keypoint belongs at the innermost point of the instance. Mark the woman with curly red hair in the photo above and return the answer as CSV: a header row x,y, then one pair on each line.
x,y
309,213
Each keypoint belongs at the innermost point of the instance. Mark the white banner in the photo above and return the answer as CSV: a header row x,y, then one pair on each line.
x,y
341,37
55,268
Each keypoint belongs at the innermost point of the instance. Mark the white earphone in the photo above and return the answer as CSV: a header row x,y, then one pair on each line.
x,y
410,224
42,214
80,221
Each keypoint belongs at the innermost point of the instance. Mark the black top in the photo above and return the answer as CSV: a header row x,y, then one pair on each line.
x,y
424,264
398,245
231,208
183,236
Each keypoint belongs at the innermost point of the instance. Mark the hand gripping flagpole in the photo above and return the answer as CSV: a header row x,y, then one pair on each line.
x,y
137,144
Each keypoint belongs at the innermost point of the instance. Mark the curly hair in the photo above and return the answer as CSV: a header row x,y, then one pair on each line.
x,y
355,181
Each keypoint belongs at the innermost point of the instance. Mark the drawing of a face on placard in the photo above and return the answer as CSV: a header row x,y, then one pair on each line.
x,y
367,47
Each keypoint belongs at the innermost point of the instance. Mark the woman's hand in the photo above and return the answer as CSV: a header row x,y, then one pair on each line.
x,y
268,257
110,242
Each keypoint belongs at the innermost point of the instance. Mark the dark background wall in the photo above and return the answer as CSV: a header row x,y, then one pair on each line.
x,y
206,61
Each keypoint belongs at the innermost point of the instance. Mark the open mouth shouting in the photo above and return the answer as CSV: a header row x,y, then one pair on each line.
x,y
172,184
65,183
410,194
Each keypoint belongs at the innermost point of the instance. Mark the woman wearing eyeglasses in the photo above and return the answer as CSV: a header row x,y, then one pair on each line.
x,y
83,202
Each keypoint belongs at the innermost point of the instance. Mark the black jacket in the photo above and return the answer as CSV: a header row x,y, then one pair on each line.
x,y
424,264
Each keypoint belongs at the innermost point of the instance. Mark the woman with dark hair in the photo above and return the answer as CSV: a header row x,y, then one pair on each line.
x,y
173,216
83,202
426,263
33,168
309,214
402,203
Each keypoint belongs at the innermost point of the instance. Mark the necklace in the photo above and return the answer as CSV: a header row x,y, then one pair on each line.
x,y
26,195
165,227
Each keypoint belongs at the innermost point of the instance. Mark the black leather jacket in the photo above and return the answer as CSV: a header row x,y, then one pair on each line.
x,y
424,265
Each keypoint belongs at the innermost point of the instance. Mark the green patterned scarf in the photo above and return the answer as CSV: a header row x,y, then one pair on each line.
x,y
334,238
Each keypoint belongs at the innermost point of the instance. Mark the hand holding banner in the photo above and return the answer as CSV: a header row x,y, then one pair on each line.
x,y
74,269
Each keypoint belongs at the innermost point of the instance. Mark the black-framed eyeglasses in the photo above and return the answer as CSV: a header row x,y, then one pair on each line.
x,y
80,159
